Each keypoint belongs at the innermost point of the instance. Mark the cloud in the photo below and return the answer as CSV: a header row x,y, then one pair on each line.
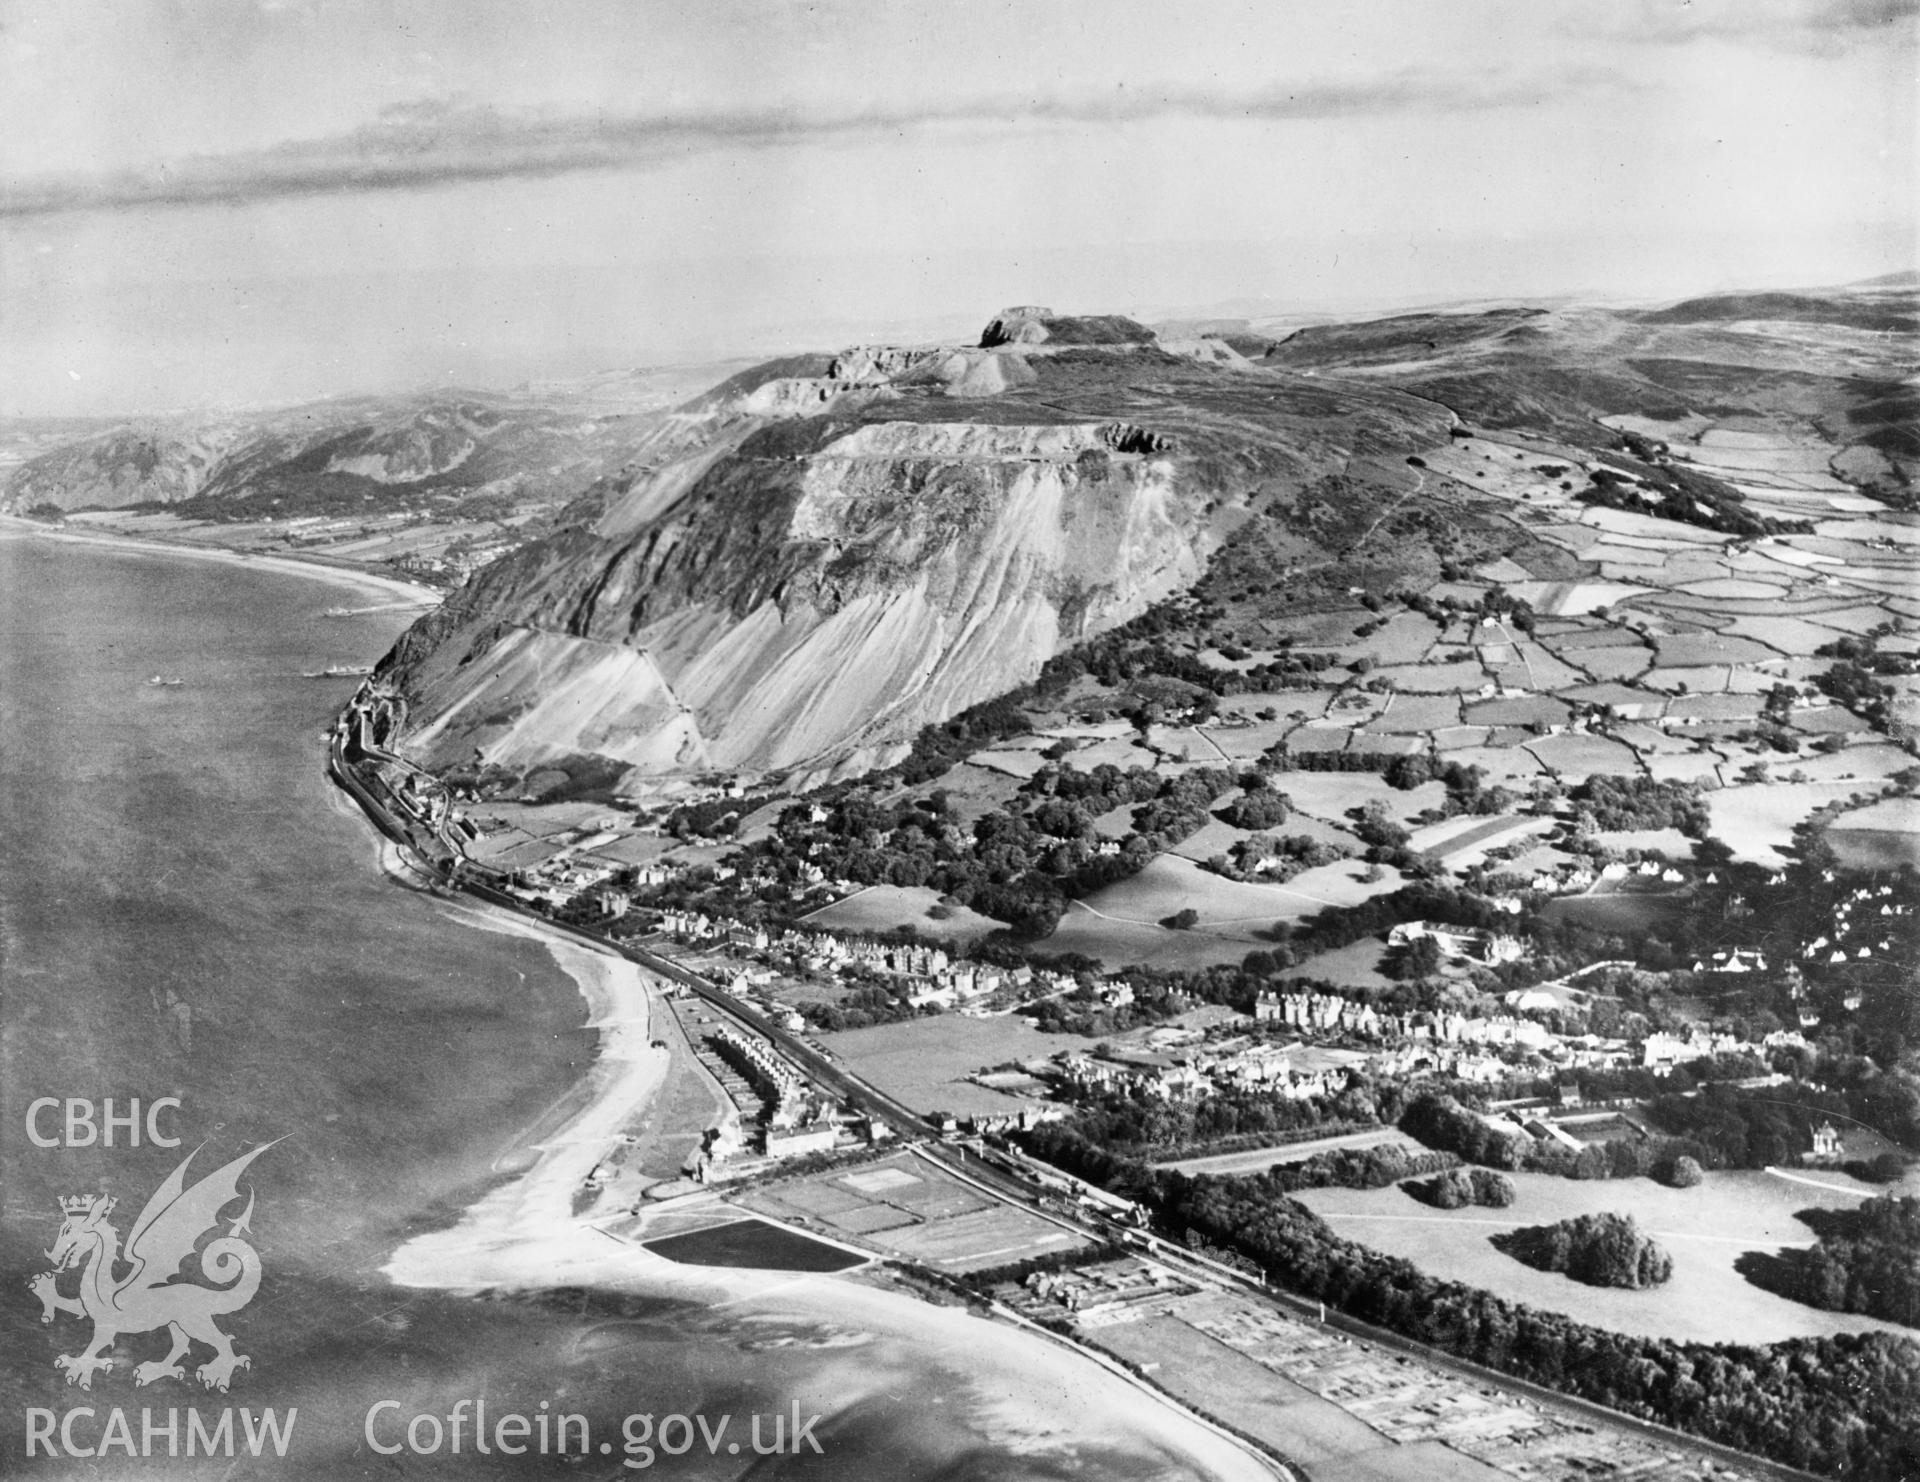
x,y
438,142
1816,27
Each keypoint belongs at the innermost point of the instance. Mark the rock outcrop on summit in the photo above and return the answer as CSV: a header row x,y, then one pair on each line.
x,y
803,567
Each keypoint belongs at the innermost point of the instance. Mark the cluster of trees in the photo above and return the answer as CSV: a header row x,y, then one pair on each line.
x,y
1019,864
1458,1188
1866,1261
1151,1126
1673,492
1846,1406
1260,806
714,818
1284,760
1738,1128
1467,790
1362,1168
1439,1121
1610,803
1276,860
1342,926
1495,602
1599,1249
857,1010
1859,679
986,1278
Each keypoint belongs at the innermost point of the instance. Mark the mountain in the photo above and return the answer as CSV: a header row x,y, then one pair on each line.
x,y
825,554
134,463
353,455
797,571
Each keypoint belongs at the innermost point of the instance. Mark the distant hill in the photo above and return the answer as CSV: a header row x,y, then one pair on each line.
x,y
350,454
1875,315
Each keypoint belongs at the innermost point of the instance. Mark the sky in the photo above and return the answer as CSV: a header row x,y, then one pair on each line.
x,y
222,202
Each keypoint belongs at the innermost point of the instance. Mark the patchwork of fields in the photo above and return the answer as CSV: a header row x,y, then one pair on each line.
x,y
1680,653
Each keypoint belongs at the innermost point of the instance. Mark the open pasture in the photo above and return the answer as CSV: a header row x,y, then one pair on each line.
x,y
1463,848
1354,966
1692,766
1329,795
1250,741
1116,943
1796,636
1871,762
1315,737
1612,663
1883,835
926,1062
1648,527
1706,1230
1757,821
1692,650
1013,762
1505,765
883,907
1611,908
1410,714
1566,598
1434,679
1577,756
1518,710
1170,884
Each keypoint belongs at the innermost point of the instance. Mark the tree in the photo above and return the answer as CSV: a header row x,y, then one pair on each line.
x,y
1412,961
1683,1173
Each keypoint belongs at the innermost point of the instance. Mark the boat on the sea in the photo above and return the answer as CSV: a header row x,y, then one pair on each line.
x,y
341,612
165,681
341,671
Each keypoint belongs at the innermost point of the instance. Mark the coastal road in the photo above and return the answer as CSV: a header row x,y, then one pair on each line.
x,y
1028,1193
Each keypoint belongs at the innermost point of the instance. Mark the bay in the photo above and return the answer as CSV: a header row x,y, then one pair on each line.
x,y
189,910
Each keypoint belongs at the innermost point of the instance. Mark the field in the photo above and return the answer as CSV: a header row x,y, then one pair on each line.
x,y
925,1062
1705,1229
1357,966
1116,943
907,1207
1881,836
1293,1420
880,907
1757,823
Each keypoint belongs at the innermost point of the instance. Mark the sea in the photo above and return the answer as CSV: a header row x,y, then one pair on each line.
x,y
192,918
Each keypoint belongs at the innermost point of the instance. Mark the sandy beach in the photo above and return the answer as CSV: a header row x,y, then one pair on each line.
x,y
524,1233
396,592
524,1236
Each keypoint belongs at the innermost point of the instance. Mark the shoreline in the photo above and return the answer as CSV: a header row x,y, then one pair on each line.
x,y
369,582
526,1230
525,1236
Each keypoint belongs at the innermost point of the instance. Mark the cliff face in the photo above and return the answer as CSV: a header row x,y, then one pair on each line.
x,y
757,607
817,559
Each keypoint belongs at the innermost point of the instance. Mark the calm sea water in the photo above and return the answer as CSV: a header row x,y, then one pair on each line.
x,y
187,909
